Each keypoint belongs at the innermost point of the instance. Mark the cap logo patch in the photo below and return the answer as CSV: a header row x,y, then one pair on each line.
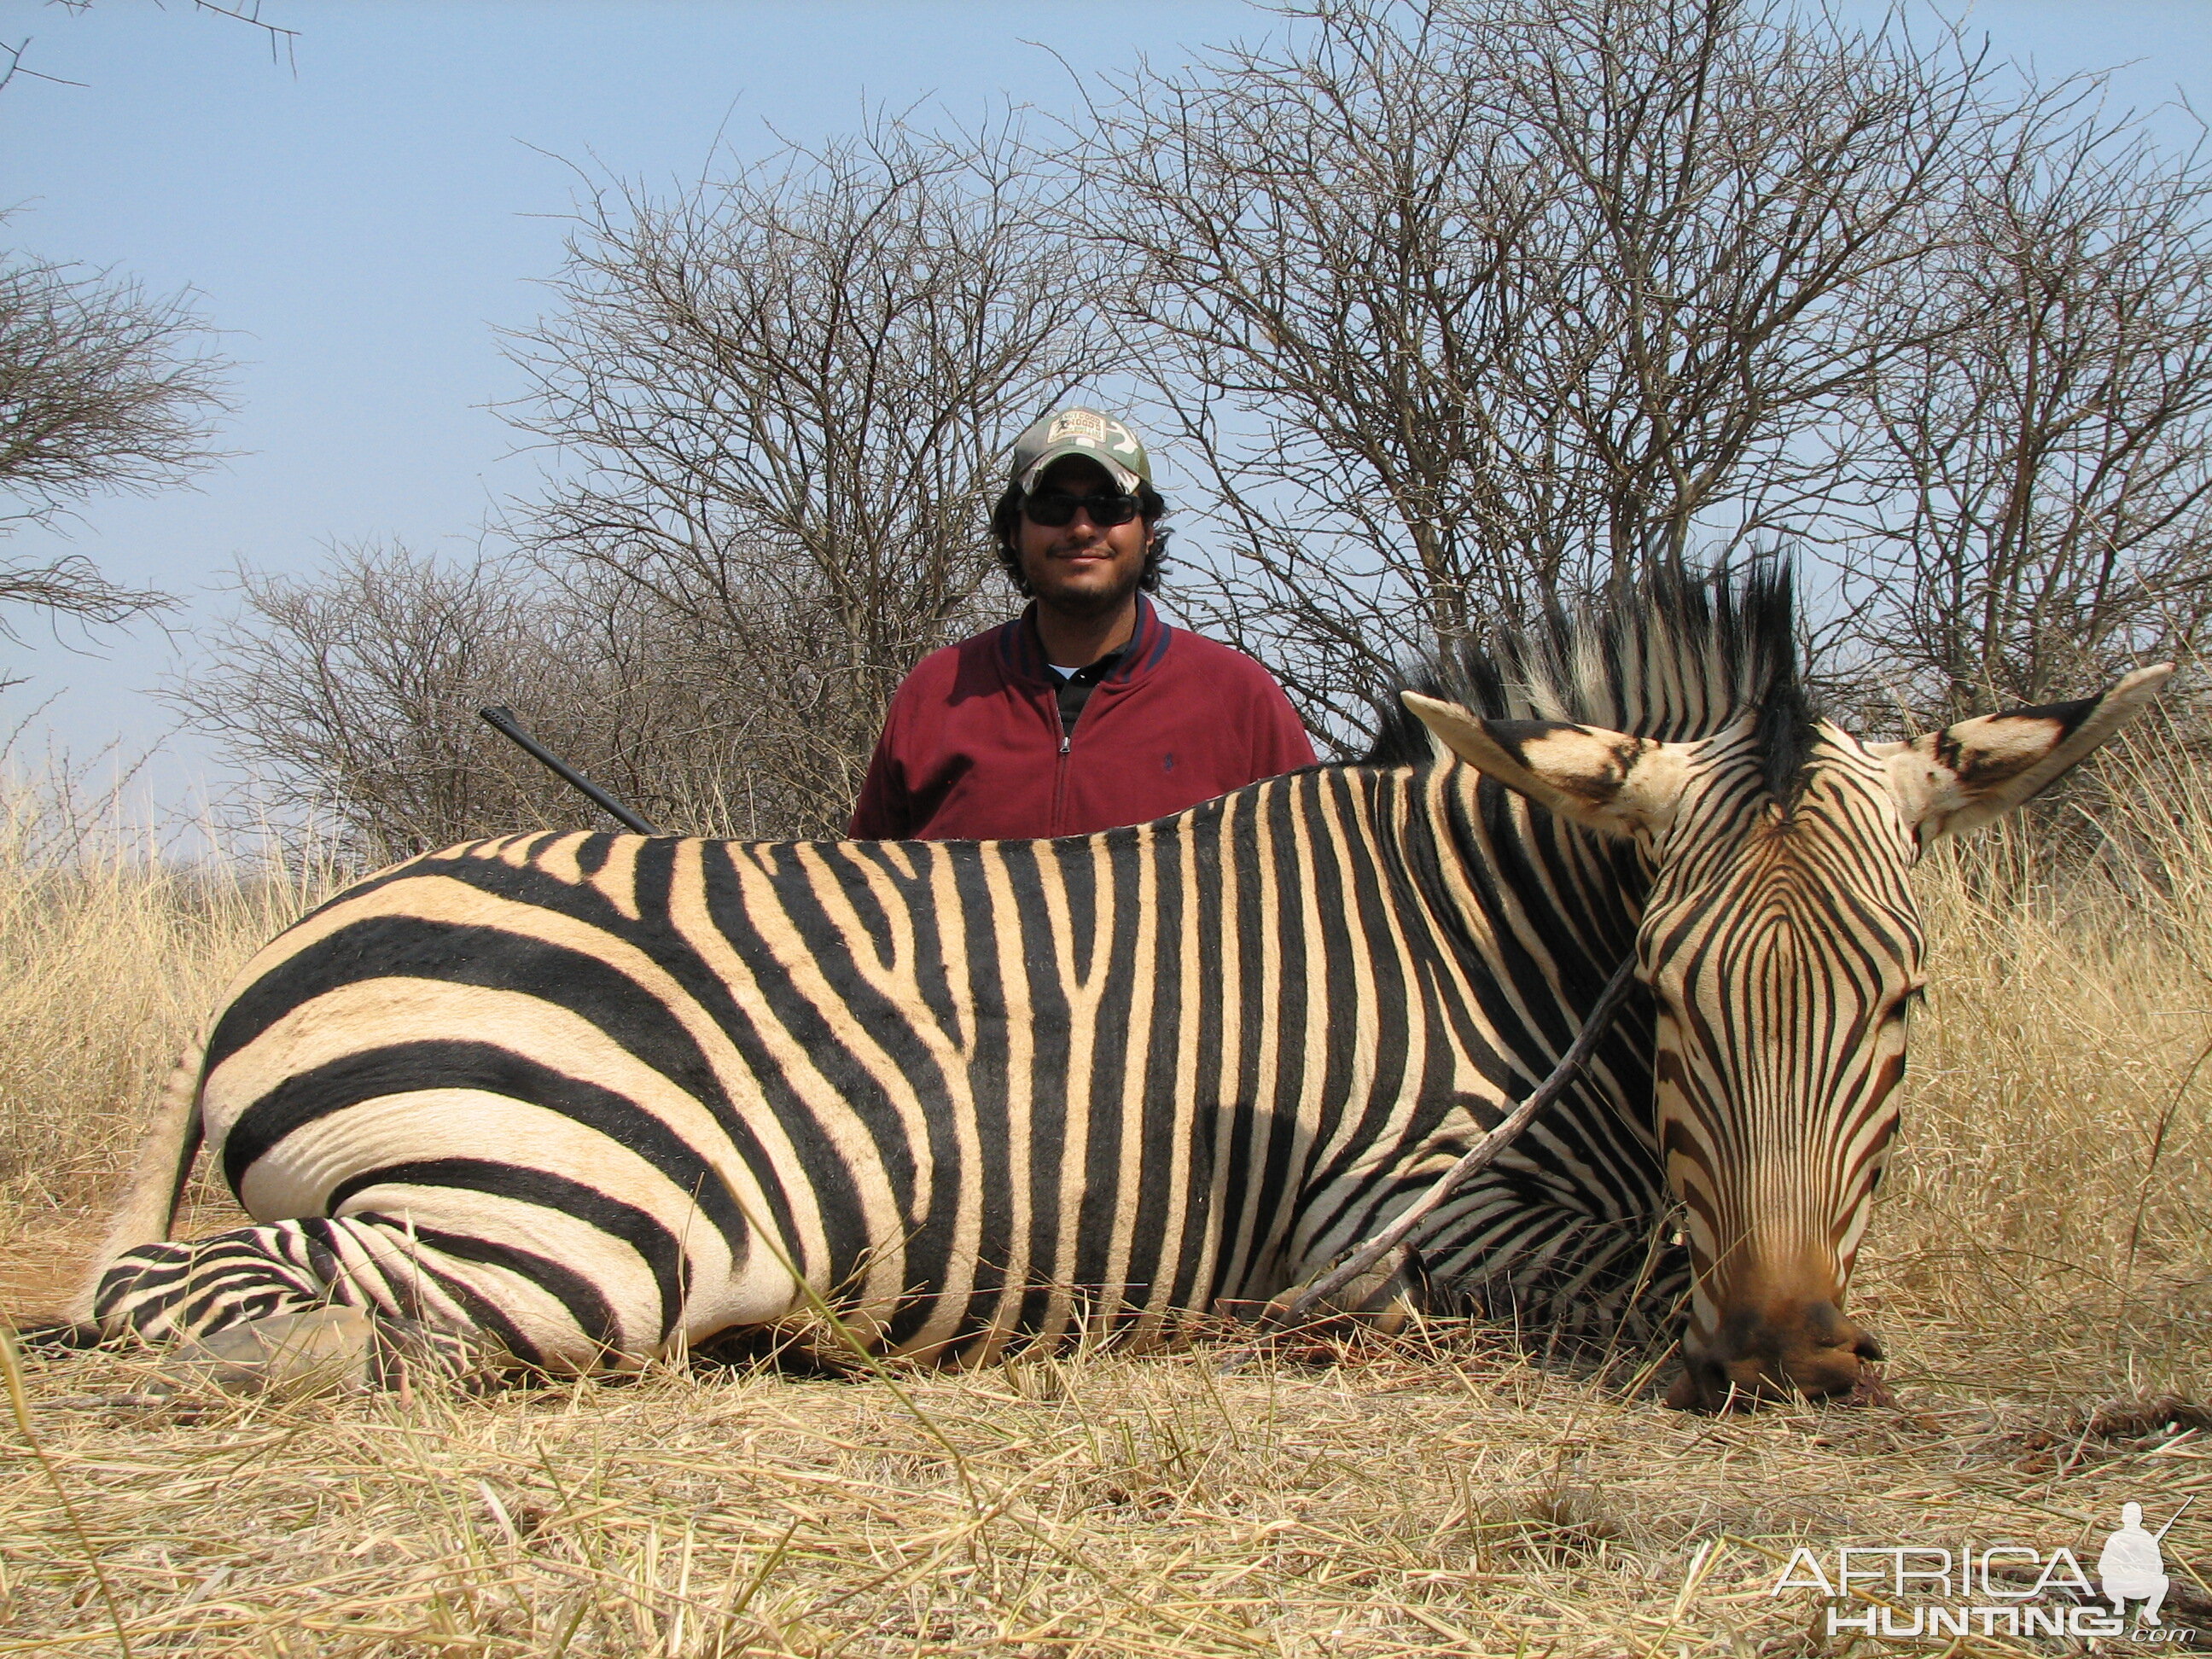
x,y
1081,431
1078,426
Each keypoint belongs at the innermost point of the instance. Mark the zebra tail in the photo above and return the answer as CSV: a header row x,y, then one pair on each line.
x,y
164,1163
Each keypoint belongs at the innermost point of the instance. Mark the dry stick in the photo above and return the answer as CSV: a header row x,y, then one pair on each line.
x,y
1483,1151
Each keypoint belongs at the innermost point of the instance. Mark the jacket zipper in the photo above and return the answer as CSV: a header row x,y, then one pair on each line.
x,y
1059,766
1065,765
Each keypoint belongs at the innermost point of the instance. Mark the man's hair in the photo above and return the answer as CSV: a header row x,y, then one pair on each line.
x,y
1006,530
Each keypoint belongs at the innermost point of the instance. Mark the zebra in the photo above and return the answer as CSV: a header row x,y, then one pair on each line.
x,y
576,1100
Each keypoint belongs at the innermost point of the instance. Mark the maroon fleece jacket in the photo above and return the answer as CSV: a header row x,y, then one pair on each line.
x,y
972,750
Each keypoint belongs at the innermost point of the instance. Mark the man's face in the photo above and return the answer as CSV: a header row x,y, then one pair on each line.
x,y
1082,568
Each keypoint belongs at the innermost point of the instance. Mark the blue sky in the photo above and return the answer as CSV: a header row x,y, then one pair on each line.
x,y
361,225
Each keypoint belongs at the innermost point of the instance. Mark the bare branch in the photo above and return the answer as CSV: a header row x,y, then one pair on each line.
x,y
282,42
16,66
72,585
101,387
1473,304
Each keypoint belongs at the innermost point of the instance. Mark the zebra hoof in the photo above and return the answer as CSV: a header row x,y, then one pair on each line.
x,y
334,1350
287,1356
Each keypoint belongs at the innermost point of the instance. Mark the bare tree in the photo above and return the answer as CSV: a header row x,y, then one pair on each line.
x,y
101,387
2044,472
1473,303
782,403
350,697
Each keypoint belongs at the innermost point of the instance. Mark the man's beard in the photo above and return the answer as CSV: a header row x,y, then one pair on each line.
x,y
1091,605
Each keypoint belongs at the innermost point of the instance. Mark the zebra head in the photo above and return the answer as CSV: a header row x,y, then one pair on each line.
x,y
1782,945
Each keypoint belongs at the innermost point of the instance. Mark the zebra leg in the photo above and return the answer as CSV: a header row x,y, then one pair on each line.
x,y
1591,1286
299,1306
1565,1278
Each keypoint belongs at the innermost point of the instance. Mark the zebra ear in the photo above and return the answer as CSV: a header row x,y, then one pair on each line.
x,y
1950,781
1609,781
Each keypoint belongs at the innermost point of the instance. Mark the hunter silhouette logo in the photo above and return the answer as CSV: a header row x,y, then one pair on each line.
x,y
1904,1591
2132,1567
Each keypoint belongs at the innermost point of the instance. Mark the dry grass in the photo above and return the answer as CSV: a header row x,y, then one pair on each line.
x,y
110,956
2041,1252
1444,1500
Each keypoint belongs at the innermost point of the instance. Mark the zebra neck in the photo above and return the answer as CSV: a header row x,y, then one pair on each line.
x,y
1486,931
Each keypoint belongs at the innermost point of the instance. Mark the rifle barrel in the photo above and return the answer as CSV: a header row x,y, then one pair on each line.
x,y
2176,1516
502,719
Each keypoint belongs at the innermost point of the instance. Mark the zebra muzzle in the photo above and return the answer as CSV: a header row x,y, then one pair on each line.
x,y
1809,1352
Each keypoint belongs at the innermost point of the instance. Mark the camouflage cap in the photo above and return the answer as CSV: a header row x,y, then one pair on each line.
x,y
1085,432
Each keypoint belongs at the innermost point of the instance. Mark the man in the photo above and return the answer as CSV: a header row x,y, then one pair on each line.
x,y
1086,711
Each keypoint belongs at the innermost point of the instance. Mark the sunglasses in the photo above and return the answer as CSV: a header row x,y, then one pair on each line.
x,y
1053,507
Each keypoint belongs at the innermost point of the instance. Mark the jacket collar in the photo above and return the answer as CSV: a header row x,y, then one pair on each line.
x,y
1022,654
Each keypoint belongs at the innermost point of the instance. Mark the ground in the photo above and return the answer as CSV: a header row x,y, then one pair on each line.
x,y
1435,1492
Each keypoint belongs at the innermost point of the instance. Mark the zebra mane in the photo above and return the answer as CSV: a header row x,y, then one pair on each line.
x,y
1679,655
